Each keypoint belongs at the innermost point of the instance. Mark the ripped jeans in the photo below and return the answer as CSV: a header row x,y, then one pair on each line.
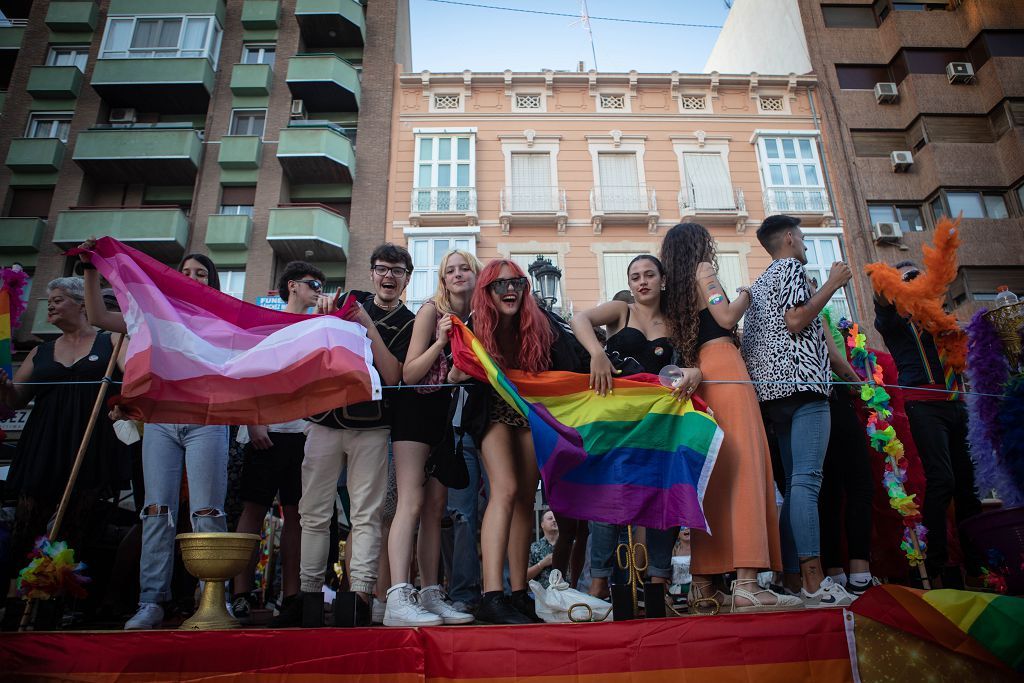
x,y
802,427
166,448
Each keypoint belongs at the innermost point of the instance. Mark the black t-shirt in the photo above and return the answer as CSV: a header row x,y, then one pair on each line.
x,y
395,329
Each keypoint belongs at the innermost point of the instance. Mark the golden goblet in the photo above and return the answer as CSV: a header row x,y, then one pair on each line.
x,y
214,558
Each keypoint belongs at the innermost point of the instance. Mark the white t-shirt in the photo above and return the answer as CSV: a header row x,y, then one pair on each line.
x,y
293,427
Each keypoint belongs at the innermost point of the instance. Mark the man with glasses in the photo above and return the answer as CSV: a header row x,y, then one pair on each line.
x,y
355,437
273,460
938,423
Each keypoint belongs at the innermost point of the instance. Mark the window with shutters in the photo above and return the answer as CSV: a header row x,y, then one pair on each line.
x,y
730,271
427,253
49,125
131,37
878,143
248,122
862,76
616,276
958,129
523,260
444,173
707,186
847,16
232,282
980,284
531,188
791,175
69,55
619,188
612,102
909,218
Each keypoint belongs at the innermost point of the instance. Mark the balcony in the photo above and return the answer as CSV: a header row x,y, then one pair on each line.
x,y
72,17
623,204
810,204
240,152
331,23
164,154
296,229
440,205
160,231
316,152
11,33
324,82
260,15
531,206
251,80
716,205
21,235
36,155
170,85
228,232
54,82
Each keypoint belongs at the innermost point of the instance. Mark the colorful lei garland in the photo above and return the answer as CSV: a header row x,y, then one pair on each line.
x,y
52,572
884,440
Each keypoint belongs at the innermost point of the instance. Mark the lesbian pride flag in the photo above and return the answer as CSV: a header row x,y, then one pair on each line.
x,y
199,356
636,456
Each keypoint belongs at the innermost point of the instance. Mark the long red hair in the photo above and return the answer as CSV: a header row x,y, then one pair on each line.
x,y
533,334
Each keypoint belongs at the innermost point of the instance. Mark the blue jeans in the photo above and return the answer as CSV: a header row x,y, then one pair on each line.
x,y
802,428
464,583
166,448
604,538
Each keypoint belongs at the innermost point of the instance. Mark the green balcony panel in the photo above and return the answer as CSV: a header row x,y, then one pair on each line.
x,y
316,154
251,80
54,82
172,7
10,37
331,23
160,232
21,235
161,156
295,230
240,152
260,15
35,155
72,17
228,232
178,85
324,82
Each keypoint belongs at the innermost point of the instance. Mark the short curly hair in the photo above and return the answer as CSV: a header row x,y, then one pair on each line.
x,y
294,270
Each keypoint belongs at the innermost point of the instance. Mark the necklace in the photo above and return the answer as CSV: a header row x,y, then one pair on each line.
x,y
382,306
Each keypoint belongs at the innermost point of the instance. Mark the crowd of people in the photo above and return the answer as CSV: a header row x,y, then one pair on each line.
x,y
772,390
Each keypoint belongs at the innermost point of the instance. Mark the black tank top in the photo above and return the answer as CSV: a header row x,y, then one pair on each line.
x,y
709,328
652,354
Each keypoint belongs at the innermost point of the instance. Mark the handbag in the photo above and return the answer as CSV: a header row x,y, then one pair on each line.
x,y
437,375
560,604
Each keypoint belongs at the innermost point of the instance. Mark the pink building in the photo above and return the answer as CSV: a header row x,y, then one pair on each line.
x,y
590,169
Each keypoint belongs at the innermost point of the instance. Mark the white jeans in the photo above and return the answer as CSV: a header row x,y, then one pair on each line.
x,y
327,451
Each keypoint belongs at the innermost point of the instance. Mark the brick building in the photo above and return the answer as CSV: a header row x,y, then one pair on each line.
x,y
227,128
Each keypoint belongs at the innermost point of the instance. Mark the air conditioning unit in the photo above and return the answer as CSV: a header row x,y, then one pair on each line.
x,y
122,115
960,72
886,93
901,160
298,109
886,232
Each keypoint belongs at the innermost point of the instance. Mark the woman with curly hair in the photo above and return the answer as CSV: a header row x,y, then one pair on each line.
x,y
739,502
518,335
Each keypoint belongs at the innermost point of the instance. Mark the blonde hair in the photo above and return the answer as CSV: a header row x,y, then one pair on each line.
x,y
442,298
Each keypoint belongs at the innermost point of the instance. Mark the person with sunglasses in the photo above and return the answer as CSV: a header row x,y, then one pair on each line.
x,y
272,465
519,336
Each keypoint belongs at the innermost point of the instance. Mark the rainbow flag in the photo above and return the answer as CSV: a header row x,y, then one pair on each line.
x,y
5,332
199,356
636,456
984,626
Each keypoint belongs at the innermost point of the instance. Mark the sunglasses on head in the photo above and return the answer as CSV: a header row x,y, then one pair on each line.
x,y
910,275
518,284
315,285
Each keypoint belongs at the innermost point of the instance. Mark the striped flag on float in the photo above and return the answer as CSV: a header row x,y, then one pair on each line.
x,y
199,356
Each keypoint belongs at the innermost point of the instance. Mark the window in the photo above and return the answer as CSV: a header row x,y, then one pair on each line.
x,y
616,277
447,102
708,186
247,122
611,102
846,16
151,37
862,76
730,272
531,188
444,173
426,259
822,252
232,282
30,202
529,101
258,54
49,125
792,175
980,283
619,183
877,143
693,102
236,210
972,204
908,217
1020,197
69,56
524,261
920,6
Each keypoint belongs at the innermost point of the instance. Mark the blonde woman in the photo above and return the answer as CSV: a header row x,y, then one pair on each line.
x,y
421,423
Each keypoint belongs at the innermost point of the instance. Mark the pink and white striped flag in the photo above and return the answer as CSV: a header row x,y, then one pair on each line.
x,y
199,356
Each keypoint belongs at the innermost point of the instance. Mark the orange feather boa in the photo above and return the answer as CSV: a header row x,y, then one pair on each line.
x,y
922,297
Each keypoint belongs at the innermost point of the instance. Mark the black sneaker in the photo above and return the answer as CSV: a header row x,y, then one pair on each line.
x,y
859,589
498,609
241,606
290,613
522,601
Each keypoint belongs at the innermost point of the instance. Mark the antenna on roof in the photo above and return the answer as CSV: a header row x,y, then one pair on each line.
x,y
584,20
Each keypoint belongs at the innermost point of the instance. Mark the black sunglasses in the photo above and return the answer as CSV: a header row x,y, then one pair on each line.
x,y
315,285
910,275
518,284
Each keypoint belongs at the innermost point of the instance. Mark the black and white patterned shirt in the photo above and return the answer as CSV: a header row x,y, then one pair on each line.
x,y
772,353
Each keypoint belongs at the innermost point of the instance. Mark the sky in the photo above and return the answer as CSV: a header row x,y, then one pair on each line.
x,y
453,37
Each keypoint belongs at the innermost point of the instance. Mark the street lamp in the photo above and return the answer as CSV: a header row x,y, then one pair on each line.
x,y
546,277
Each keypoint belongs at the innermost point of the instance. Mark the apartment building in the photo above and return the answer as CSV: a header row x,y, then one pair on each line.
x,y
924,105
589,169
227,128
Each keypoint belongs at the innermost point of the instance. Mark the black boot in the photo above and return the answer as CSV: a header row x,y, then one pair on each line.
x,y
290,613
496,608
522,601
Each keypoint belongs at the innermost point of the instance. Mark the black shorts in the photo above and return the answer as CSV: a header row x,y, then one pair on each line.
x,y
421,417
274,471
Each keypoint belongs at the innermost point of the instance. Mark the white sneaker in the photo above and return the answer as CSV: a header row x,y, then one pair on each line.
x,y
404,609
858,589
433,599
149,616
377,612
829,594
